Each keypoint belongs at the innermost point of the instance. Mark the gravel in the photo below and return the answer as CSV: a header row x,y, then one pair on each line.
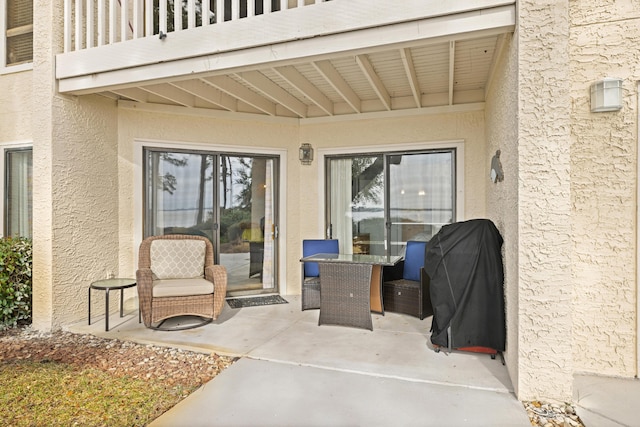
x,y
175,366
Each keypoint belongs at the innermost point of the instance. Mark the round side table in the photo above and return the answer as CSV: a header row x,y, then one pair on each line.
x,y
107,285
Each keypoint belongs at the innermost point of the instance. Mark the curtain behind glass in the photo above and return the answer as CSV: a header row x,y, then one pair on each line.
x,y
19,178
421,196
341,215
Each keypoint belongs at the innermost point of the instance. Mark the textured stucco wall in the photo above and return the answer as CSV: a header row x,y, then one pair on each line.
x,y
502,197
15,106
545,297
468,127
181,131
605,42
75,186
301,215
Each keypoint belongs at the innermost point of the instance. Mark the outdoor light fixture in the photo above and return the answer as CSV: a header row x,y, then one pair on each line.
x,y
606,95
306,154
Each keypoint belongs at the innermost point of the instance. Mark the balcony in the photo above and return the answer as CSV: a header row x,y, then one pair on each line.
x,y
291,59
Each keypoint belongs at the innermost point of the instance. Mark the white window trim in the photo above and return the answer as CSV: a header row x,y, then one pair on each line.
x,y
4,69
4,147
458,145
140,145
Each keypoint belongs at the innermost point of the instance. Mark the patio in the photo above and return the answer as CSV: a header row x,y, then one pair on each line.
x,y
283,341
398,347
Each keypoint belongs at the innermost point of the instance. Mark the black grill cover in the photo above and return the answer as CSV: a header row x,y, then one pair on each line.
x,y
464,263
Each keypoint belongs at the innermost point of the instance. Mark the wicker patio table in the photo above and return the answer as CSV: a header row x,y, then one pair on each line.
x,y
350,287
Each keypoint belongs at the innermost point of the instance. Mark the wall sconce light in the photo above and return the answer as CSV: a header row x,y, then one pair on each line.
x,y
305,154
606,95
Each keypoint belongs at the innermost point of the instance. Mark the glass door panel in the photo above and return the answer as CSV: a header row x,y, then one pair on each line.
x,y
231,200
356,204
179,196
421,196
247,206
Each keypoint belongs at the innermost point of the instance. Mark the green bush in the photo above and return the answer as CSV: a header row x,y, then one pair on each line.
x,y
16,261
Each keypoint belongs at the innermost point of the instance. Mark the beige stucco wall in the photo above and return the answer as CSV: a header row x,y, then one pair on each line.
x,y
206,133
383,135
545,294
15,107
605,42
75,186
502,197
301,216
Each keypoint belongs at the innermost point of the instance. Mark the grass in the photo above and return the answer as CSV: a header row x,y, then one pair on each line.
x,y
56,394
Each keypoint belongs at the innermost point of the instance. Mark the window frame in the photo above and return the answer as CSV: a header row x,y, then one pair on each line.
x,y
4,67
4,149
456,146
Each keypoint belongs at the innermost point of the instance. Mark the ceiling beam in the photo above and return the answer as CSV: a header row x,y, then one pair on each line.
x,y
133,93
374,80
452,59
271,90
208,93
497,54
304,86
410,70
335,79
171,93
235,89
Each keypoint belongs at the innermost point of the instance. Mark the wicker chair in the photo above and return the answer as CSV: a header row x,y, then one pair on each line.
x,y
406,286
176,277
310,271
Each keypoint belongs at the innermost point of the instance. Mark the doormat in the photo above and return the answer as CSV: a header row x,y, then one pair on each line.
x,y
256,301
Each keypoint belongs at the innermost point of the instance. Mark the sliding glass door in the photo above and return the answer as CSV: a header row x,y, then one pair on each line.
x,y
230,199
421,196
376,203
248,227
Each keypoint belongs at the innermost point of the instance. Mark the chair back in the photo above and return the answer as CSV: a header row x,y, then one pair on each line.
x,y
176,256
317,246
413,260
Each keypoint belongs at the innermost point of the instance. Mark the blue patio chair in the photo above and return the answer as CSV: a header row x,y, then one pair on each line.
x,y
311,271
406,285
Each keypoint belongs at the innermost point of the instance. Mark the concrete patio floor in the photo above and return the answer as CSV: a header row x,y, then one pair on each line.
x,y
294,372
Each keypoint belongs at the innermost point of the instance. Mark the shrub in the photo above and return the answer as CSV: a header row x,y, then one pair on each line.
x,y
16,262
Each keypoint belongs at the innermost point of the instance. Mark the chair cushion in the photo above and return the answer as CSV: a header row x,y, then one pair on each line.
x,y
176,259
181,287
413,260
319,246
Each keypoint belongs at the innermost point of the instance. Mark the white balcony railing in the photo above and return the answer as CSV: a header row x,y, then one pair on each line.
x,y
93,23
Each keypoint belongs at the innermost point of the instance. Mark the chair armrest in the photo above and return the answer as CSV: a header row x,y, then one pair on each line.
x,y
394,272
144,282
218,275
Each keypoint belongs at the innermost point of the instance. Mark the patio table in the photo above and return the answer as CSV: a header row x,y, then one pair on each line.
x,y
352,272
107,285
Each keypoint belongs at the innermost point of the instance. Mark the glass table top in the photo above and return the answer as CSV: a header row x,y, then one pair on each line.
x,y
114,283
354,259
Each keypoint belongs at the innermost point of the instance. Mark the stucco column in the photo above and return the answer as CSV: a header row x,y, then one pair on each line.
x,y
44,34
545,367
75,185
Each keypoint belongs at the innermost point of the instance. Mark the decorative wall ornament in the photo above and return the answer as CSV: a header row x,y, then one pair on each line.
x,y
497,175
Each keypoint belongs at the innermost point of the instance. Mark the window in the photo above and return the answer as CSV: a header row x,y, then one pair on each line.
x,y
379,202
18,166
17,26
